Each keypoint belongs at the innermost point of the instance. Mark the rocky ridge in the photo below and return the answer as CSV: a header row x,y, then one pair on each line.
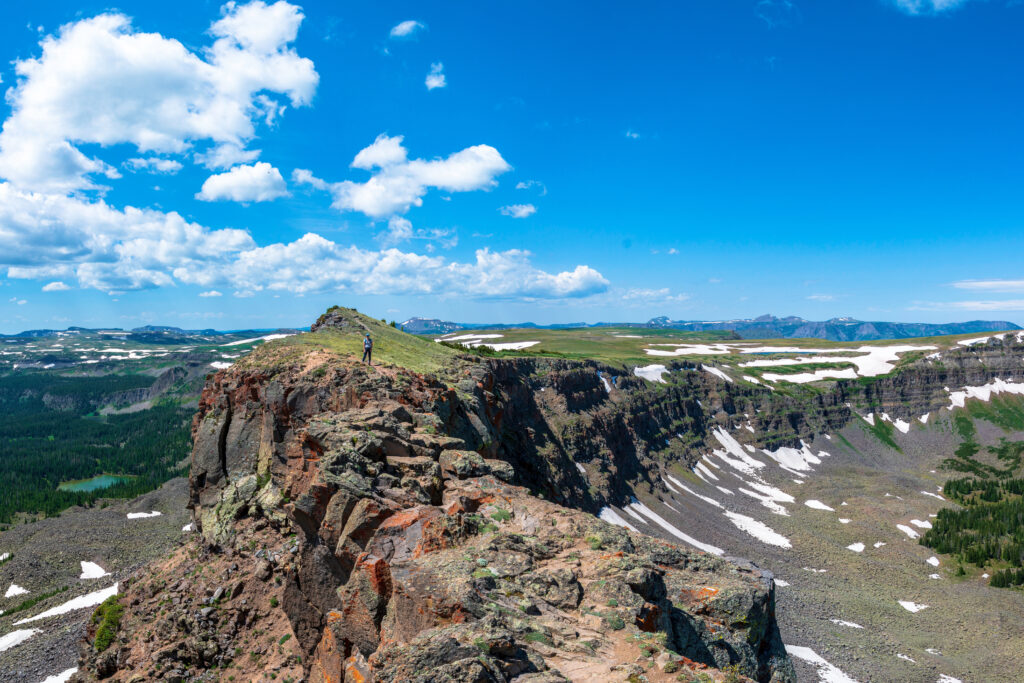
x,y
377,524
375,502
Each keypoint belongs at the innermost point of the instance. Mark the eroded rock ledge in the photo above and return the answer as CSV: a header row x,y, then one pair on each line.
x,y
367,524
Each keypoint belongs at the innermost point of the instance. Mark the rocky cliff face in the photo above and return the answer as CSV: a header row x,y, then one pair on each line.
x,y
361,524
923,385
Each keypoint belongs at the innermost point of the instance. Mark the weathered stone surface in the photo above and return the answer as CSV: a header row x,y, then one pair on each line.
x,y
369,519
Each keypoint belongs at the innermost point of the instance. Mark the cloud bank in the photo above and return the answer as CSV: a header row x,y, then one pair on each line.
x,y
100,82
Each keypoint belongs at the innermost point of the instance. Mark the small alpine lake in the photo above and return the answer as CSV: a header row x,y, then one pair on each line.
x,y
100,481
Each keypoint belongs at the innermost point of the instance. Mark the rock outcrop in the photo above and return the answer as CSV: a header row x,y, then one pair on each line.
x,y
364,523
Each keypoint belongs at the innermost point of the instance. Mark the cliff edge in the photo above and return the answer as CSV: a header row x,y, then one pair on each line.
x,y
422,520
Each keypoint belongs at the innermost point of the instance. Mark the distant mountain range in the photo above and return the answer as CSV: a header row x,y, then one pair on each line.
x,y
148,333
762,327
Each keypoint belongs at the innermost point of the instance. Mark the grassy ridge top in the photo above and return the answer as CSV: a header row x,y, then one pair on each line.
x,y
340,331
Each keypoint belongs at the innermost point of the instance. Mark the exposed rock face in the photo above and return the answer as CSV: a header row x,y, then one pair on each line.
x,y
921,386
368,524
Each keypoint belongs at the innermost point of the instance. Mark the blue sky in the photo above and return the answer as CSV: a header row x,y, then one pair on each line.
x,y
249,164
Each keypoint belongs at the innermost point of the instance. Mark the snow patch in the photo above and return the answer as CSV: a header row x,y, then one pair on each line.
x,y
266,338
984,392
848,624
933,495
758,530
912,606
716,372
920,524
141,515
14,590
704,469
805,377
770,497
62,677
188,527
901,656
827,673
612,517
924,418
933,561
856,547
464,337
81,602
879,544
843,520
745,464
91,570
908,531
635,516
818,505
796,459
647,512
934,576
780,582
651,373
220,365
507,346
9,640
709,501
901,425
979,340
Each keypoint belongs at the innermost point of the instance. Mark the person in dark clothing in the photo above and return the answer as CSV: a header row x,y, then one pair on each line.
x,y
367,349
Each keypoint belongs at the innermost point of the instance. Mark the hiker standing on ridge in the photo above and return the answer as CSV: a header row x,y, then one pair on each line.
x,y
367,349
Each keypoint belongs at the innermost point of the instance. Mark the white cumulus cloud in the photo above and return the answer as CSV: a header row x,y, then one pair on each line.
x,y
385,151
100,81
436,77
405,29
101,247
260,182
400,183
518,210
